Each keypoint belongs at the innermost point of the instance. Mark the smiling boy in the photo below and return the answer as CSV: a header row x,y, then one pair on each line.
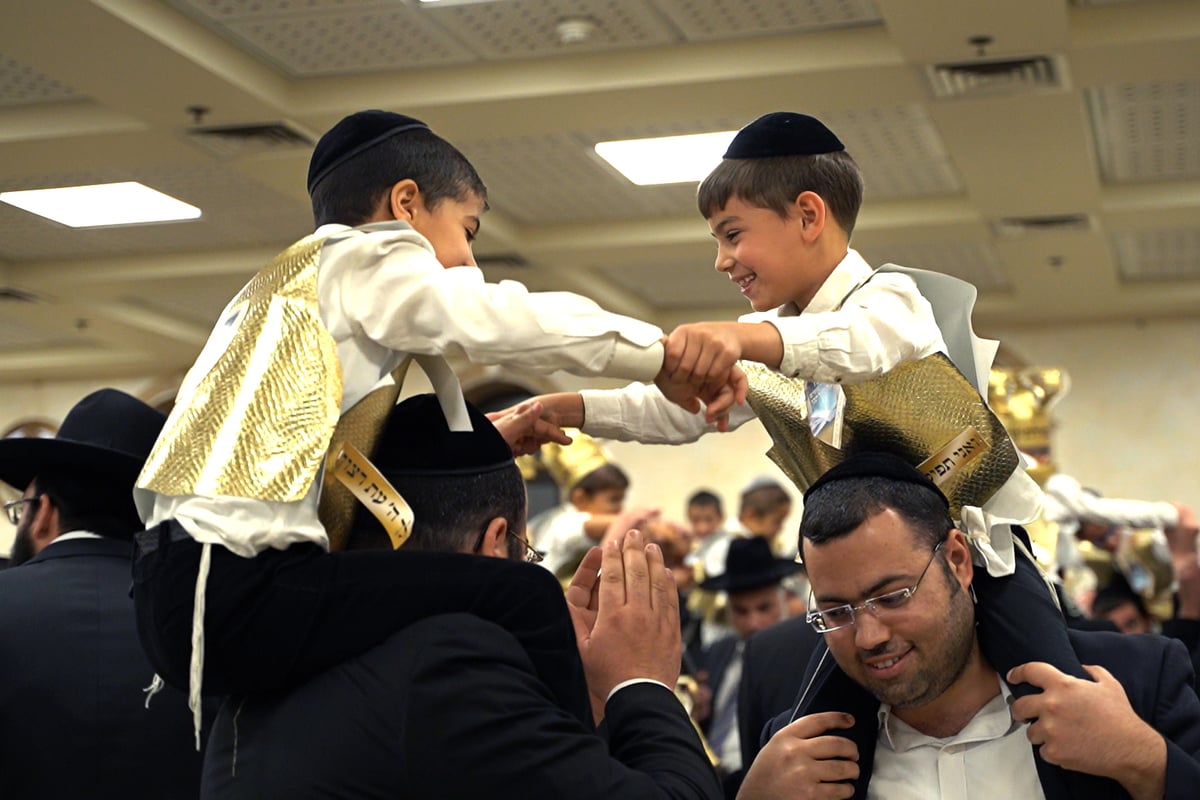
x,y
782,206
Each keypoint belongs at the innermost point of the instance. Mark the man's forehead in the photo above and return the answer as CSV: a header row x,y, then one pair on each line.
x,y
883,548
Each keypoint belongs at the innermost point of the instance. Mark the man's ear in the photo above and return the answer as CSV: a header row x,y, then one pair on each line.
x,y
404,199
495,539
43,523
958,556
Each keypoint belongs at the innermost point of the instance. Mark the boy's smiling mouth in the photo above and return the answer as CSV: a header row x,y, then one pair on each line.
x,y
745,282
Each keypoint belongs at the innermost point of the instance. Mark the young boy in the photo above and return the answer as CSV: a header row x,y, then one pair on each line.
x,y
782,206
233,568
594,489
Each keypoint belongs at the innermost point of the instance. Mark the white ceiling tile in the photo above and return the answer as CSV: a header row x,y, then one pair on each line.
x,y
1158,255
21,85
1146,132
723,19
977,263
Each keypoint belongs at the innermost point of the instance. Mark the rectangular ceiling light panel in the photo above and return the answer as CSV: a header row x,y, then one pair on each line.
x,y
103,204
666,159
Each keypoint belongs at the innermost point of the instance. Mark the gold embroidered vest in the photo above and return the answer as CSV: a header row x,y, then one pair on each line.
x,y
925,411
258,424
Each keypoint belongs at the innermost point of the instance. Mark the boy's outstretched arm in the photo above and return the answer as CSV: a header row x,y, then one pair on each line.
x,y
527,426
700,352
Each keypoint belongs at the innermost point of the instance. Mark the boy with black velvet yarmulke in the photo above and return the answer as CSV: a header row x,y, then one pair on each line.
x,y
230,493
782,206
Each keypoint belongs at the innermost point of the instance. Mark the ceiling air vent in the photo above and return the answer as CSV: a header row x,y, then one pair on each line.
x,y
995,76
1050,223
234,141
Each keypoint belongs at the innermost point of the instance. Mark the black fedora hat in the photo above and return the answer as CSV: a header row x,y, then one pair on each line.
x,y
108,434
750,565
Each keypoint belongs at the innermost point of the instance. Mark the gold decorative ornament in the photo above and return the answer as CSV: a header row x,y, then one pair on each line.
x,y
1023,397
571,463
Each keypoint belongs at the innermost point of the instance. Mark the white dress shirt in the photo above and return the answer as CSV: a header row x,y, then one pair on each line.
x,y
989,758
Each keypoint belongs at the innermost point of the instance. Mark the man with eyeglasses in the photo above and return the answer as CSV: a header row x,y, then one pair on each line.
x,y
493,683
892,597
73,721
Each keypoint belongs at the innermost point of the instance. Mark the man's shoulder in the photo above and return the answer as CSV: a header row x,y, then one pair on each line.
x,y
1140,662
789,636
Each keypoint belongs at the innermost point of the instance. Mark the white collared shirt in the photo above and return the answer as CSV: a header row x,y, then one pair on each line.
x,y
990,757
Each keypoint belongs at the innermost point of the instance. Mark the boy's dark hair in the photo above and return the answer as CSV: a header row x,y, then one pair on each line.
x,y
762,498
836,508
350,194
775,183
449,511
706,498
603,478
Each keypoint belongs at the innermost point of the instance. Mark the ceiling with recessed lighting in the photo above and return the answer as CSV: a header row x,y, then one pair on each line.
x,y
1046,150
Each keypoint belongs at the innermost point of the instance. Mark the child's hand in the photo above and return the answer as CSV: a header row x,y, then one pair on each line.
x,y
527,426
702,354
718,404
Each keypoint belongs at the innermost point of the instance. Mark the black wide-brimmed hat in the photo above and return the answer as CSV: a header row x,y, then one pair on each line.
x,y
108,434
750,565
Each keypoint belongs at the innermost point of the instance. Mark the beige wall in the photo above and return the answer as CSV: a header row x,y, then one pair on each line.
x,y
1130,425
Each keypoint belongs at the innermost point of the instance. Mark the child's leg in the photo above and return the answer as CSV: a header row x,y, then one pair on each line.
x,y
1020,622
273,620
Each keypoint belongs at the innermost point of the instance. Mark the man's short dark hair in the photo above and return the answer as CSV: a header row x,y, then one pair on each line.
x,y
352,192
89,502
707,499
776,182
450,512
1117,593
603,478
835,509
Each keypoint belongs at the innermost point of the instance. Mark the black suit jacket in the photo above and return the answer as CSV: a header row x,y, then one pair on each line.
x,y
452,707
717,657
1156,673
772,665
73,721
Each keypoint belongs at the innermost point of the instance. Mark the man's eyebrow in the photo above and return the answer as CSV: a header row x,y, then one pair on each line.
x,y
871,591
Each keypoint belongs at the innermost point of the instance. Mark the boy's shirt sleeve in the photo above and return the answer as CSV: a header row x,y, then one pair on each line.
x,y
387,287
640,413
882,323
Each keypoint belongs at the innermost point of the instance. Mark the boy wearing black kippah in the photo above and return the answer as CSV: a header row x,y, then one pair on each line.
x,y
782,205
389,274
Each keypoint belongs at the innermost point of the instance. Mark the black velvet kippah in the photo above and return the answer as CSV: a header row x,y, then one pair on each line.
x,y
783,133
875,464
417,441
351,136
